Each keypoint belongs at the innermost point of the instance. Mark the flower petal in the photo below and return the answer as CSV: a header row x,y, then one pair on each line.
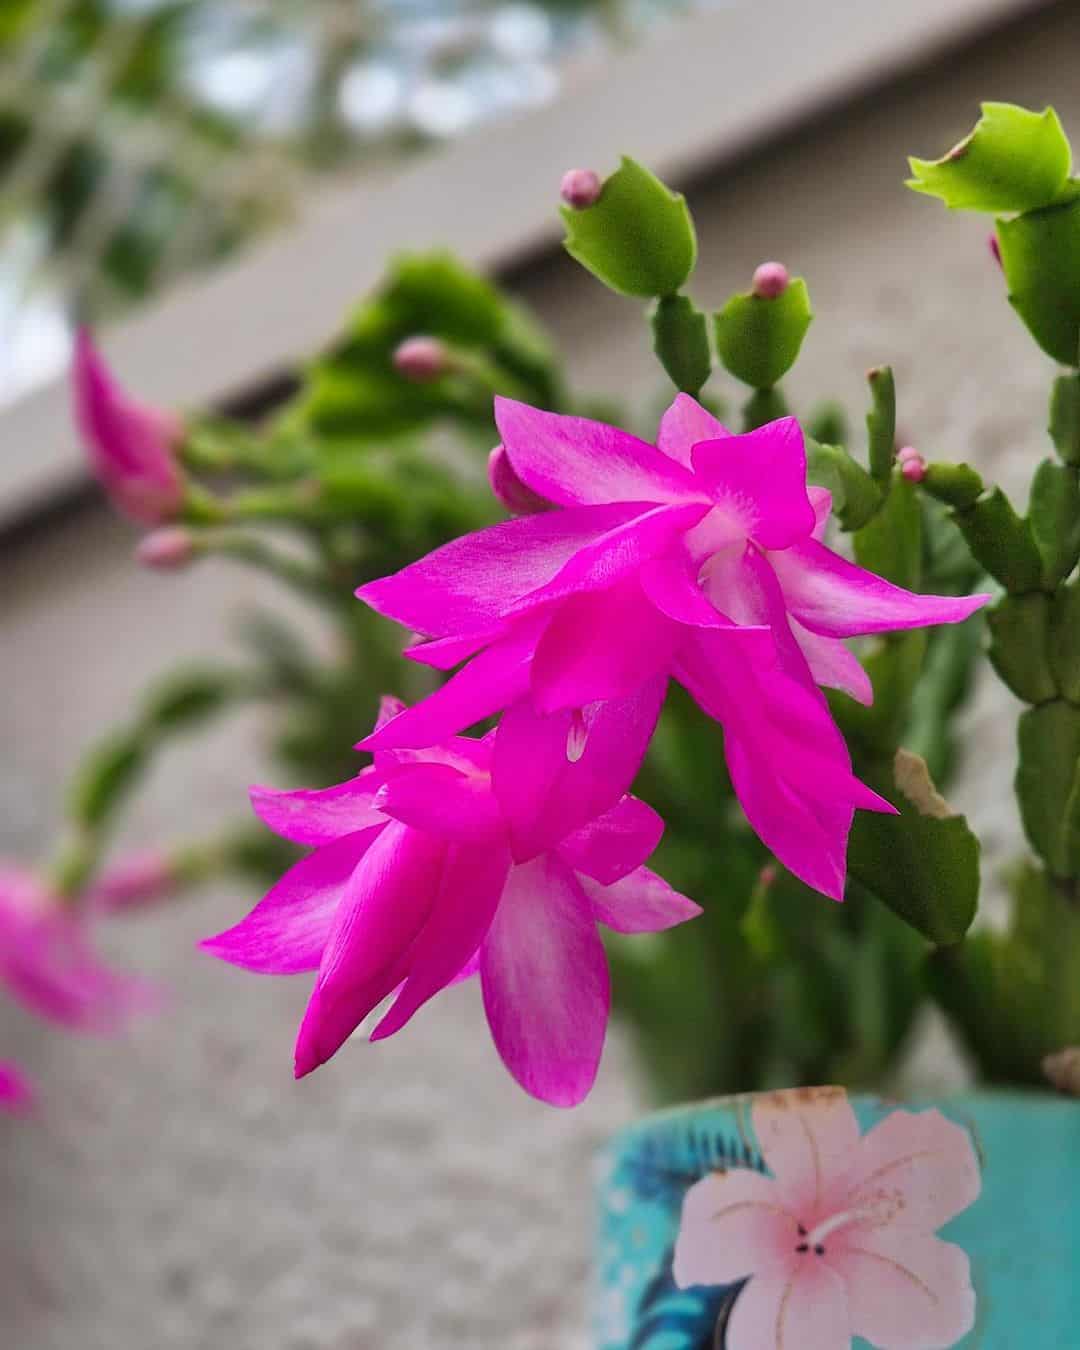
x,y
545,983
442,800
734,1223
288,929
810,1139
671,584
641,902
904,1288
832,665
383,907
684,424
601,645
762,474
805,1309
312,816
16,1090
821,501
448,652
576,462
544,796
464,586
831,596
915,1170
472,883
612,846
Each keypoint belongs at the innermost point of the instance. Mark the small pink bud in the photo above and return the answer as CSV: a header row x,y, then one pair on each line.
x,y
167,549
131,448
518,499
767,876
580,188
131,882
914,467
995,250
17,1096
420,359
905,453
771,280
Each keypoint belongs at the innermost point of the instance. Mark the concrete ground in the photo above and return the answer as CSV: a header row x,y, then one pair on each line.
x,y
180,1190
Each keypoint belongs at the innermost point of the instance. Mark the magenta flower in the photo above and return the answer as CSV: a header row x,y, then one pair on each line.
x,y
130,447
700,557
16,1090
49,965
131,882
839,1240
413,886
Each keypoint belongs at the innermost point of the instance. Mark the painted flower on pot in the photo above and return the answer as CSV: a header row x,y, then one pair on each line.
x,y
418,880
699,558
839,1241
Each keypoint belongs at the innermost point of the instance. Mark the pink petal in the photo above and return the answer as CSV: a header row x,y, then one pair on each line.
x,y
763,476
616,555
545,983
575,462
288,929
313,816
641,902
821,501
544,796
471,885
832,665
16,1091
685,424
385,904
518,499
734,1223
464,586
489,682
612,846
445,653
601,645
903,1288
740,583
809,1138
915,1170
442,800
672,586
831,596
803,1310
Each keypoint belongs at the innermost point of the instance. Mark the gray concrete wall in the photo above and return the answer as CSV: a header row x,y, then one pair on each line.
x,y
180,1190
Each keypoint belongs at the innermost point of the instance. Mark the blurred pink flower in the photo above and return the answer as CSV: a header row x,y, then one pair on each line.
x,y
131,448
414,885
49,965
16,1091
131,882
839,1240
700,557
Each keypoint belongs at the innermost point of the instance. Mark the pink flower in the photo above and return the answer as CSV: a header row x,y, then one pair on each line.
x,y
130,447
508,487
413,885
839,1240
16,1090
700,557
49,965
131,882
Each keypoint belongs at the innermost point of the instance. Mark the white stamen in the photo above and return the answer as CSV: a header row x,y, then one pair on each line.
x,y
576,736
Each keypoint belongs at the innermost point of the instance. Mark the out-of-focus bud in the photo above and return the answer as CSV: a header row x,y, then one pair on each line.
x,y
912,464
16,1090
580,188
518,499
131,883
167,549
770,281
131,448
420,359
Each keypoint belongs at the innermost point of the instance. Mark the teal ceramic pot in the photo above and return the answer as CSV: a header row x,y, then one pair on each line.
x,y
1022,1234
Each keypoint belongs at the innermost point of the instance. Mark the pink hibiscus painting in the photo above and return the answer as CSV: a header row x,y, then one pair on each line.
x,y
840,1239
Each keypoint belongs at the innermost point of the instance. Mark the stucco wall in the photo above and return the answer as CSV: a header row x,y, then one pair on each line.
x,y
180,1190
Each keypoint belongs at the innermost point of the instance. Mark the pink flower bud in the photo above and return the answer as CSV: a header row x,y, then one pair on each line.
x,y
995,250
131,882
905,453
518,499
771,280
420,359
131,448
767,876
16,1091
580,188
912,465
167,549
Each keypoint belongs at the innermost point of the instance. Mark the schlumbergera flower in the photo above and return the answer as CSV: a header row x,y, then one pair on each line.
x,y
131,448
413,886
700,557
840,1240
49,965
